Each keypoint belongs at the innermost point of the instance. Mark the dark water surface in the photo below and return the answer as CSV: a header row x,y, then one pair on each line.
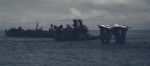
x,y
46,52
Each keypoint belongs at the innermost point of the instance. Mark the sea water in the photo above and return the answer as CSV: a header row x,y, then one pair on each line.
x,y
47,52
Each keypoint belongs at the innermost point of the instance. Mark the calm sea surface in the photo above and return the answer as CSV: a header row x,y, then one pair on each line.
x,y
46,52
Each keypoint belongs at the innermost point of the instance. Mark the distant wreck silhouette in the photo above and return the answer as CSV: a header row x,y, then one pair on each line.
x,y
19,32
78,31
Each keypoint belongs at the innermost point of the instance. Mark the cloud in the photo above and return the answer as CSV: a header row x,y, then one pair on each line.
x,y
93,12
75,12
99,2
102,2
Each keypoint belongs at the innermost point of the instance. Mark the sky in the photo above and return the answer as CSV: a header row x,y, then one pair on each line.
x,y
26,13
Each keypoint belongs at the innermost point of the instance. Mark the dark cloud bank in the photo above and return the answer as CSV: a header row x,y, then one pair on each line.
x,y
26,13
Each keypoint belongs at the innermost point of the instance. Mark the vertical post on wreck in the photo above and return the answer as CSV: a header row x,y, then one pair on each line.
x,y
37,25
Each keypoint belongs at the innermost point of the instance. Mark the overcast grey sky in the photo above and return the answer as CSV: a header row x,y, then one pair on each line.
x,y
26,13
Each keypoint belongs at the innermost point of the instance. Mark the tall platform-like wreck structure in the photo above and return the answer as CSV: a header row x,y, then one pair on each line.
x,y
118,31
